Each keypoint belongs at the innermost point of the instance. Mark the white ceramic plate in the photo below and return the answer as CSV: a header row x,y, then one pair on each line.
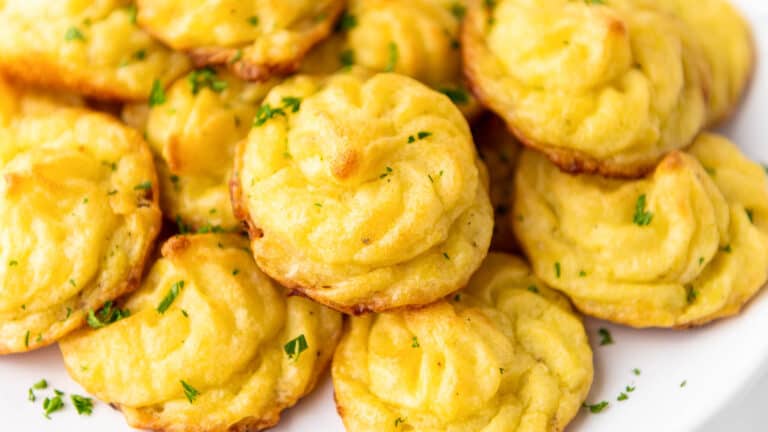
x,y
716,362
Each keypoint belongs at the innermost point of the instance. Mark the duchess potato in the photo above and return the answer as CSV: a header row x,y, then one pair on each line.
x,y
666,250
418,38
78,216
363,193
193,135
504,354
599,87
499,150
92,47
211,343
256,39
727,44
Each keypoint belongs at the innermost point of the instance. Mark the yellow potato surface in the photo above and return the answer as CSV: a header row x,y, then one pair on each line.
x,y
603,87
223,334
193,135
78,215
92,47
418,38
685,245
363,193
499,150
726,40
504,354
256,38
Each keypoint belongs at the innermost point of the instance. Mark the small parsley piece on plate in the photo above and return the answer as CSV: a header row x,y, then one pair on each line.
x,y
622,397
83,405
295,347
190,392
157,94
596,408
641,217
170,297
51,405
605,337
636,371
684,383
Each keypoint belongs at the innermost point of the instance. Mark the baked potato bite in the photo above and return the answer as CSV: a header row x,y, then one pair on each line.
x,y
667,250
499,150
418,38
193,136
504,354
91,47
78,217
363,193
211,343
599,87
726,41
256,39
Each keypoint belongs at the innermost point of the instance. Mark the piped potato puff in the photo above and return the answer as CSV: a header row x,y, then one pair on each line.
x,y
193,136
418,38
211,343
634,87
668,250
91,47
256,39
365,194
726,41
506,353
78,216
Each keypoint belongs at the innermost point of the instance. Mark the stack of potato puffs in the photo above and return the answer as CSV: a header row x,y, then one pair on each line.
x,y
194,195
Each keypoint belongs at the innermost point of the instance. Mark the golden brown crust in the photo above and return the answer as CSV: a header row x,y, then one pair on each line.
x,y
247,68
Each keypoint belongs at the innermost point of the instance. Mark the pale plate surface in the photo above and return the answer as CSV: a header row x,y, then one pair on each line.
x,y
719,362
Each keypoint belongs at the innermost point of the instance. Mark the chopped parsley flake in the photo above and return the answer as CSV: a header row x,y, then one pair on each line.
x,y
423,134
622,397
630,389
170,297
582,273
750,215
605,337
190,392
13,263
458,10
557,269
83,405
40,385
293,103
266,113
72,282
393,54
106,315
73,34
388,172
726,248
51,405
641,217
446,256
143,186
457,96
206,77
399,421
636,371
701,260
26,339
533,289
415,342
253,20
132,12
596,408
235,272
184,312
347,58
183,228
684,383
157,94
691,293
347,22
295,347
